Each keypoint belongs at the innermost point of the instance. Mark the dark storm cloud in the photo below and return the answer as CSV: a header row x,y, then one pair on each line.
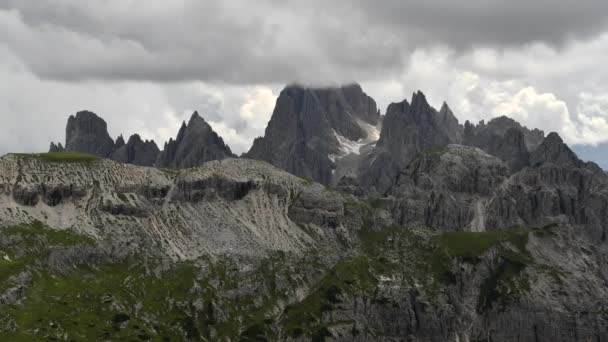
x,y
490,22
271,41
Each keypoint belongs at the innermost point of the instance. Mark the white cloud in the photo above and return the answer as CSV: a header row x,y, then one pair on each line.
x,y
258,106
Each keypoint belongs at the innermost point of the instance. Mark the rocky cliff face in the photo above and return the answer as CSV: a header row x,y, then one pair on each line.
x,y
447,188
215,209
553,150
504,138
408,129
311,127
88,133
135,151
498,127
195,144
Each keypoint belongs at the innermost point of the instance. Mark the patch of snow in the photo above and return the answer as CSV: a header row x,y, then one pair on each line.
x,y
7,258
348,146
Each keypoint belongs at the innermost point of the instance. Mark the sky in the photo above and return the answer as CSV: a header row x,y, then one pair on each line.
x,y
146,65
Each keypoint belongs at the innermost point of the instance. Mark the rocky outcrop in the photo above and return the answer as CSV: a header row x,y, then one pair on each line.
x,y
504,138
481,134
195,144
56,147
135,151
238,206
86,132
407,130
309,127
509,144
549,194
553,150
447,188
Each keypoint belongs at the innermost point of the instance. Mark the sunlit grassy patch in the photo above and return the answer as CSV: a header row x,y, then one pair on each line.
x,y
63,157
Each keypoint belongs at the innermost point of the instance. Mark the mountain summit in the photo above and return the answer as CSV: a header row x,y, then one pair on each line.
x,y
195,144
311,127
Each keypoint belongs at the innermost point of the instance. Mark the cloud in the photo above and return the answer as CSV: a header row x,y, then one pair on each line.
x,y
476,94
258,107
270,41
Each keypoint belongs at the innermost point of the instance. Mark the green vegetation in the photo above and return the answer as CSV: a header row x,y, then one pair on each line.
x,y
350,277
63,157
24,245
394,254
122,197
306,181
505,282
406,257
140,298
506,279
436,150
475,244
38,235
93,304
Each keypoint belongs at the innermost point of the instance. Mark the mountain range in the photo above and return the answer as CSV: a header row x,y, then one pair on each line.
x,y
340,223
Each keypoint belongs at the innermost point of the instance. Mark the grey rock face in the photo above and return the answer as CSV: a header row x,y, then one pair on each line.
x,y
407,130
88,133
135,151
447,188
196,143
508,144
235,206
553,150
120,142
504,138
553,194
498,127
302,132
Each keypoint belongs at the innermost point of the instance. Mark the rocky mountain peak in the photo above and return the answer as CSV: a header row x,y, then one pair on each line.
x,y
311,127
505,138
195,116
87,132
195,144
407,130
56,147
554,150
419,103
136,151
120,142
